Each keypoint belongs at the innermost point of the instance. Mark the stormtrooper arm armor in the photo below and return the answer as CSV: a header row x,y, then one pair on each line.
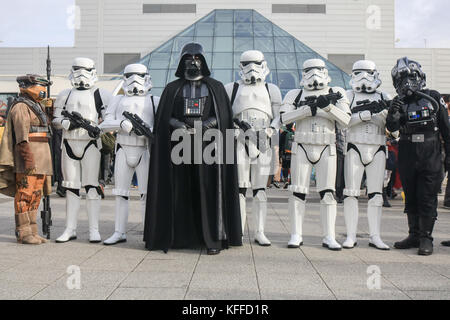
x,y
340,112
289,113
275,95
380,118
59,107
111,123
106,99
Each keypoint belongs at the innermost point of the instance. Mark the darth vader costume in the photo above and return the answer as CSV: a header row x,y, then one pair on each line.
x,y
192,204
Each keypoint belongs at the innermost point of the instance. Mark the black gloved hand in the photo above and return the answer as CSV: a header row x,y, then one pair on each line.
x,y
210,123
396,106
177,124
323,102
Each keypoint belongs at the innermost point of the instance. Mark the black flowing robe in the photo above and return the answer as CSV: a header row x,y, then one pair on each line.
x,y
191,205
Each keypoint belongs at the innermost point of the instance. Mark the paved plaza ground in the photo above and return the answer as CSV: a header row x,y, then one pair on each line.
x,y
127,271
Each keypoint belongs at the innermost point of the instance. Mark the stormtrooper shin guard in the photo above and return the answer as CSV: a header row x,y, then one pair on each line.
x,y
122,209
374,211
351,221
260,211
72,208
297,208
243,206
93,202
328,216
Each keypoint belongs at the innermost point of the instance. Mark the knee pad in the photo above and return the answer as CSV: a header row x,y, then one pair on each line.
x,y
301,196
260,194
327,198
376,199
93,193
243,191
74,191
325,192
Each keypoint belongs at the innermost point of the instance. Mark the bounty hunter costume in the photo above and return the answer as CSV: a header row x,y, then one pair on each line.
x,y
25,153
256,103
132,150
422,119
316,110
81,152
192,205
366,151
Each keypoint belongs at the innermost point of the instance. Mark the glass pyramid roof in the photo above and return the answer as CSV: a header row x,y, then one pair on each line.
x,y
225,34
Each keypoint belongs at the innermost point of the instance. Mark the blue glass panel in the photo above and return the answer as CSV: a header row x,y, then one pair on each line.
x,y
288,79
224,15
159,60
209,18
336,78
223,44
243,30
243,44
157,91
284,44
286,61
224,76
272,78
159,77
208,58
175,58
166,47
222,60
264,44
270,58
278,32
145,60
302,57
189,32
284,92
301,47
171,75
206,42
257,17
179,42
243,16
223,29
236,75
262,29
237,59
205,29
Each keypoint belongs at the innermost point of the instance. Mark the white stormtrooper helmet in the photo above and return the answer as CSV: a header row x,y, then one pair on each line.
x,y
253,67
83,74
365,77
136,80
314,75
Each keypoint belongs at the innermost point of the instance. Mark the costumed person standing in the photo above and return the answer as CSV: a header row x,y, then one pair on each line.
x,y
78,112
192,203
317,110
256,111
421,117
25,159
132,145
366,151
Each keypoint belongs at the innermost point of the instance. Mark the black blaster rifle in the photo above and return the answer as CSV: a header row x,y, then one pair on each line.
x,y
139,126
79,122
311,101
373,106
243,125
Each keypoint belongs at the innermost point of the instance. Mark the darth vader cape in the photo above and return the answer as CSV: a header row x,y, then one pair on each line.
x,y
185,209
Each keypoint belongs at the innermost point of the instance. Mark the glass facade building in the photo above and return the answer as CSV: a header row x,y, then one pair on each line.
x,y
225,34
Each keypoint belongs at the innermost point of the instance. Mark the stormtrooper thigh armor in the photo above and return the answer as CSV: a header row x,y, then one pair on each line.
x,y
80,167
304,158
372,160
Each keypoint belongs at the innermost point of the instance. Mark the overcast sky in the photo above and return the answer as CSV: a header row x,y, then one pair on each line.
x,y
31,23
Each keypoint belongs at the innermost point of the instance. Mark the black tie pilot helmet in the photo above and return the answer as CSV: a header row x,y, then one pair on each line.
x,y
408,77
192,64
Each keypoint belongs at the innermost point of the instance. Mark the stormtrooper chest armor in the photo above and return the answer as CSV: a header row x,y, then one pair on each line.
x,y
366,132
252,104
315,130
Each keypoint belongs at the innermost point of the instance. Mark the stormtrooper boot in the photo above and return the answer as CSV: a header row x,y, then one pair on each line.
x,y
93,211
243,206
351,221
374,211
297,209
119,235
328,217
72,208
260,211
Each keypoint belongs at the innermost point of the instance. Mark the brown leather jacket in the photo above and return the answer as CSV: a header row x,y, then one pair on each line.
x,y
29,148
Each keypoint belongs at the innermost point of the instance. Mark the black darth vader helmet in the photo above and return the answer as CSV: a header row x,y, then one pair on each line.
x,y
190,50
408,77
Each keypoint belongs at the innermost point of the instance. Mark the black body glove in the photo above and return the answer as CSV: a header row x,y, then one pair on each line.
x,y
210,123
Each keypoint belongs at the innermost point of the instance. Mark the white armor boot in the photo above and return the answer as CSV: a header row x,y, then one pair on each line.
x,y
366,152
80,159
316,110
260,212
132,149
255,105
72,208
296,210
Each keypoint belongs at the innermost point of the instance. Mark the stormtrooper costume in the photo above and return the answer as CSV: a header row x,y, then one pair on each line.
x,y
366,152
314,146
80,153
132,151
258,104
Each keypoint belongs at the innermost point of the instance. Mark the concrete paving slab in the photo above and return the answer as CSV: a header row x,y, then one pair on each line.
x,y
147,294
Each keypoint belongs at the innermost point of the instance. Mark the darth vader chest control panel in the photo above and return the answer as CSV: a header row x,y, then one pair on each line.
x,y
195,94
